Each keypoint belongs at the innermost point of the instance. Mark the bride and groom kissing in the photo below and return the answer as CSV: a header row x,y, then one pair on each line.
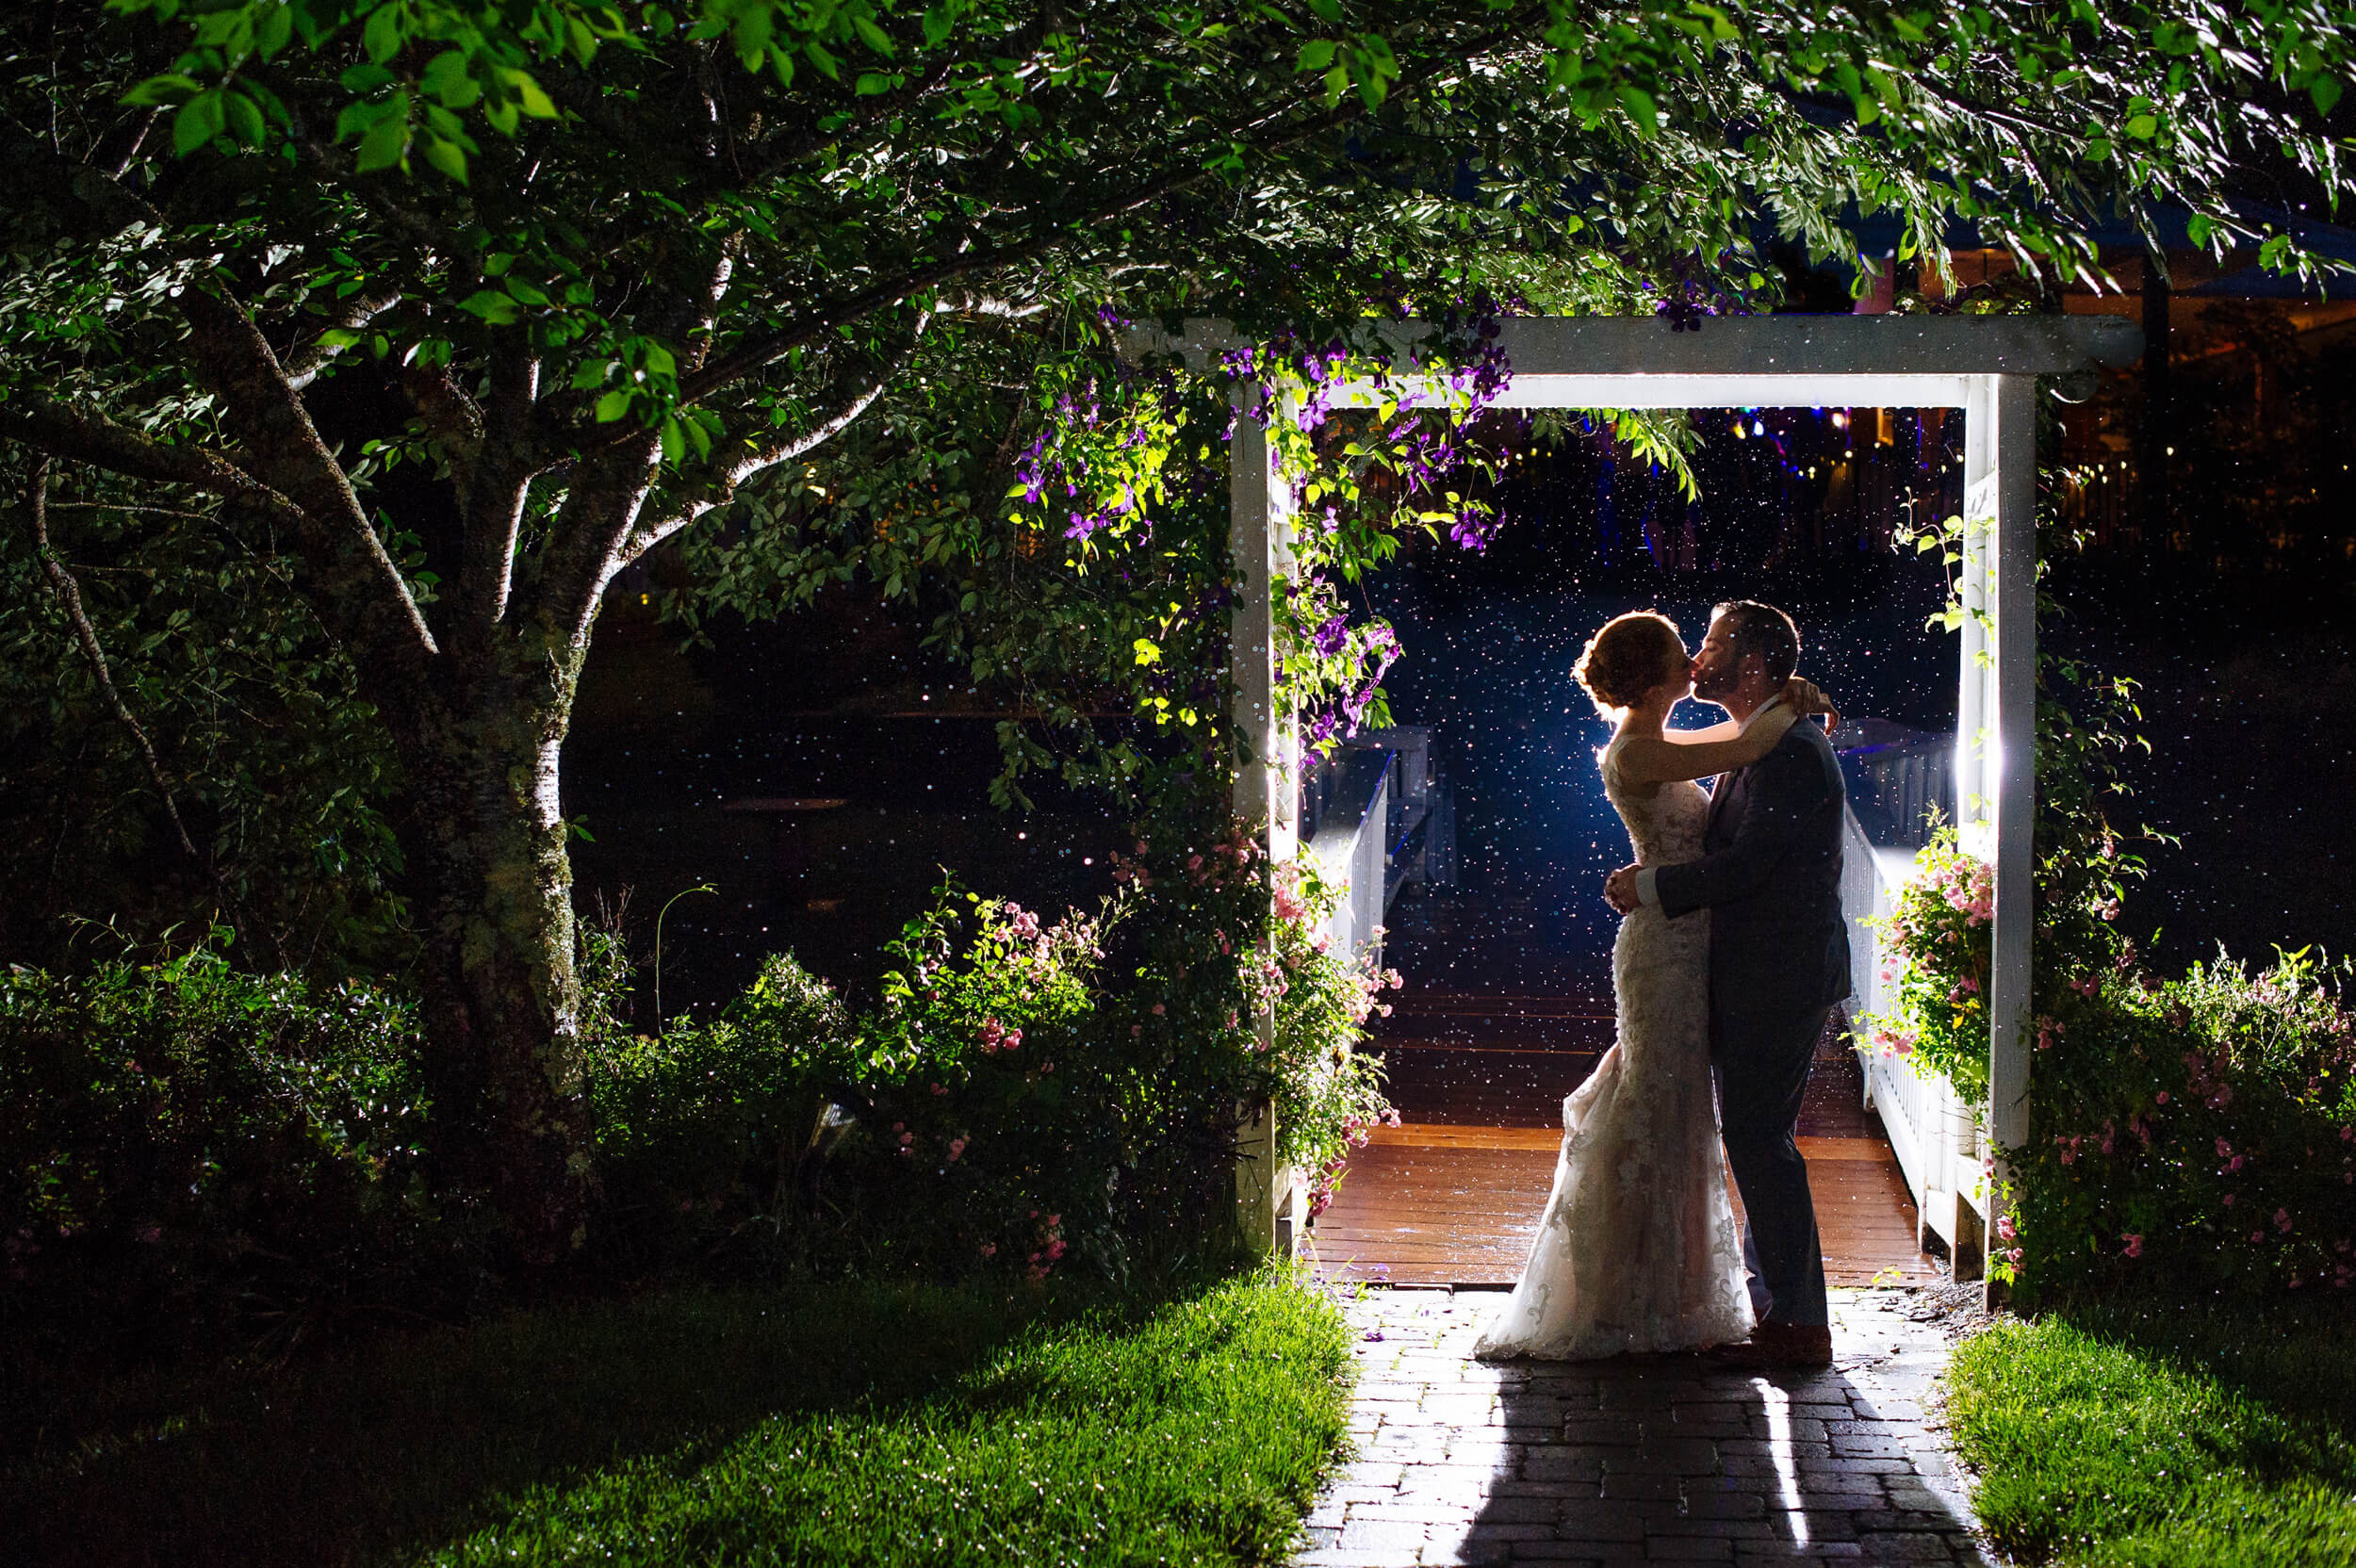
x,y
1731,953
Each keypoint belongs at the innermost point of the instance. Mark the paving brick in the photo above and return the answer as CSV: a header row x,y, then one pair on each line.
x,y
1914,1547
1639,1486
1380,1535
1663,1457
1606,1523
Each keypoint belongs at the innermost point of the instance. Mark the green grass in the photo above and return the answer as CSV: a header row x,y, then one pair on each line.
x,y
852,1424
2165,1433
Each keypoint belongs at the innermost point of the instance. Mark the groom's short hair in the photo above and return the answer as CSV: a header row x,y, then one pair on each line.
x,y
1765,630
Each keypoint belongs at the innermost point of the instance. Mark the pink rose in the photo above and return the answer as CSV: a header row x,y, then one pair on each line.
x,y
2134,1245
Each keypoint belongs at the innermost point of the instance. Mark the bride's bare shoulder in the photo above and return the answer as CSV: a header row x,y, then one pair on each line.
x,y
1607,762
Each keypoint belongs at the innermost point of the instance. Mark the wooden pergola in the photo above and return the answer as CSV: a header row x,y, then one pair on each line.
x,y
1988,367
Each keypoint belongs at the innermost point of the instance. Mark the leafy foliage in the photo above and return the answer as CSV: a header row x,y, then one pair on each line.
x,y
281,770
2202,1129
188,1150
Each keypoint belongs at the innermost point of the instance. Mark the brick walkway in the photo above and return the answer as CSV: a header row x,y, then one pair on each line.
x,y
1639,1460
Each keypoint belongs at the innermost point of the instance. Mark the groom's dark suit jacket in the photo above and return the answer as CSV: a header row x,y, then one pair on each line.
x,y
1770,875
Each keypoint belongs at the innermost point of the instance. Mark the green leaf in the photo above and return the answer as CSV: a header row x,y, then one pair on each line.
x,y
1316,55
938,23
2325,90
872,36
386,142
167,89
1641,107
826,62
613,405
382,37
198,120
1147,653
674,442
449,79
872,82
244,115
2143,127
276,29
491,305
526,290
536,102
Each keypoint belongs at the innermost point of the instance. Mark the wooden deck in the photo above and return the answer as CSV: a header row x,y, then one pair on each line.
x,y
1453,1197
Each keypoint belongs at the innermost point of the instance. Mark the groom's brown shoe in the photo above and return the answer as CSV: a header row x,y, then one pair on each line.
x,y
1790,1345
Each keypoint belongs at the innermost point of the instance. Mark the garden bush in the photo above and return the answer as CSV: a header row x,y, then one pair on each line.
x,y
2199,1129
188,1149
1022,1091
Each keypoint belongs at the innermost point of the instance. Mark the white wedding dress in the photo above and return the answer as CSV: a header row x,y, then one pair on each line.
x,y
1638,1250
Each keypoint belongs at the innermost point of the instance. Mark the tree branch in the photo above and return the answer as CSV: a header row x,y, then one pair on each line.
x,y
1051,230
492,501
720,491
315,353
356,583
69,591
43,424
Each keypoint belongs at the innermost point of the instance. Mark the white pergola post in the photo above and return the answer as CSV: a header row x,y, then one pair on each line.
x,y
1265,789
1985,366
2011,772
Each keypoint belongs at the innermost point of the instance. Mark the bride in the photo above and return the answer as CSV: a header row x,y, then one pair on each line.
x,y
1638,1250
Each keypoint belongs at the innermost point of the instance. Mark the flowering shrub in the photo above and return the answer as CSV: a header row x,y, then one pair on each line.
x,y
1327,1093
979,1081
1023,1089
1935,957
2200,1129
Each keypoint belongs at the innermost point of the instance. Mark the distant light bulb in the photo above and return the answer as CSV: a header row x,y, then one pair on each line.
x,y
1758,427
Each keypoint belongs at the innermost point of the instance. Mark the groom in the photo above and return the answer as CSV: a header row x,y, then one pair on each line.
x,y
1770,875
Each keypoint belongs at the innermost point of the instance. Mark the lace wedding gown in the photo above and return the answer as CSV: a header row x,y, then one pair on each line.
x,y
1638,1250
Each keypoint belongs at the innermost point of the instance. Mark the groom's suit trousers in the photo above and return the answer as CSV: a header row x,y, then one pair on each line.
x,y
1761,1057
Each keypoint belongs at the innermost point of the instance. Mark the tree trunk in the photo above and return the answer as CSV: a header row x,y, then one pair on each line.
x,y
502,1001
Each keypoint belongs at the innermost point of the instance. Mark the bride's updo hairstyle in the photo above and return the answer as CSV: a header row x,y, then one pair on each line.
x,y
1632,655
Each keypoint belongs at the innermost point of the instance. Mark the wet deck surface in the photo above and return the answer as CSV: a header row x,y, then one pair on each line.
x,y
1453,1197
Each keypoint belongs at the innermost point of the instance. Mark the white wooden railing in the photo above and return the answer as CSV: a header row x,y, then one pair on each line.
x,y
1939,1139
